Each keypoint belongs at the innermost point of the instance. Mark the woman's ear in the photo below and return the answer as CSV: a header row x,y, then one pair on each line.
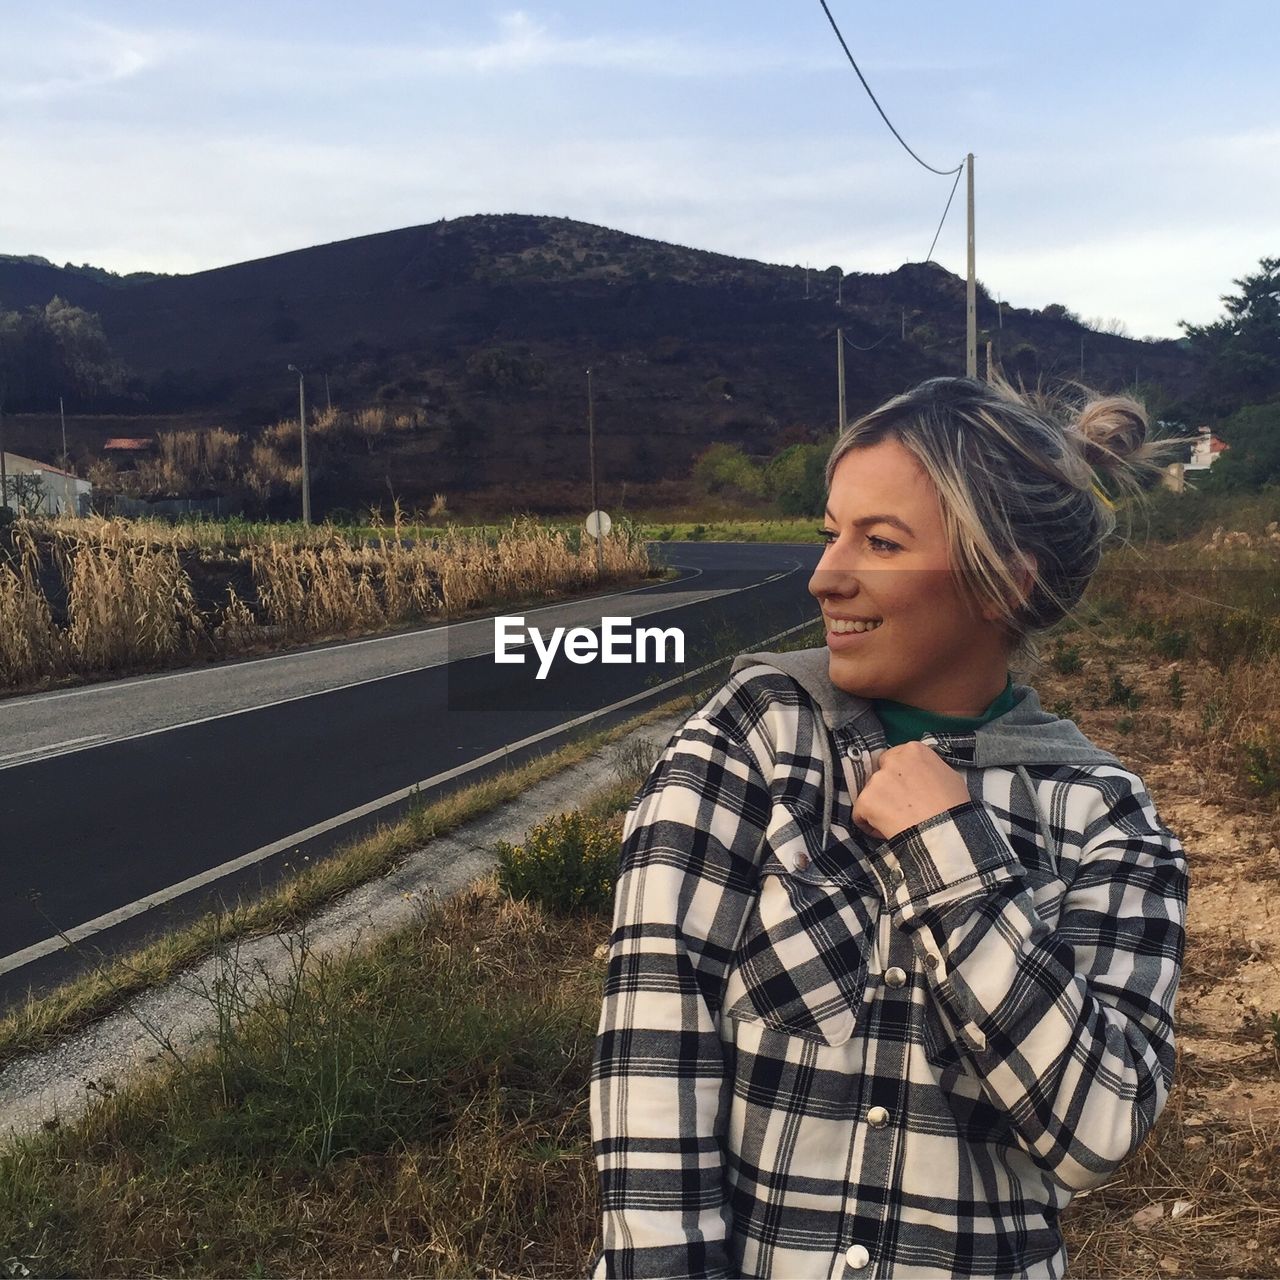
x,y
1024,571
1026,577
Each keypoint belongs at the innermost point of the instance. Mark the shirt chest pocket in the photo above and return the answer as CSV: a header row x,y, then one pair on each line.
x,y
801,967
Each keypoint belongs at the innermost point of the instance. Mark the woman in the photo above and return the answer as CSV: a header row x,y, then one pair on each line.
x,y
894,950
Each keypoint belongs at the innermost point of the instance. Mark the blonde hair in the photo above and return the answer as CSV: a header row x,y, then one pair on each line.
x,y
1019,474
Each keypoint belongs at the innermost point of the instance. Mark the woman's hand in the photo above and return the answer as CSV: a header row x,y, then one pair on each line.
x,y
911,782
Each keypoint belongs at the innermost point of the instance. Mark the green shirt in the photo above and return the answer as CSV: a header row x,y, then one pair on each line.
x,y
904,723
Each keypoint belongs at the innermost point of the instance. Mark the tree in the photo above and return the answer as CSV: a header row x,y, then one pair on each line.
x,y
1253,457
726,470
26,493
55,350
1239,355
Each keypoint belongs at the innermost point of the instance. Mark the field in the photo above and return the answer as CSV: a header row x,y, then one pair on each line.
x,y
92,598
421,1109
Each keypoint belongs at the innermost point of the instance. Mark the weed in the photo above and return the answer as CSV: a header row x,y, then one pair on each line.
x,y
567,864
1260,763
1122,695
1066,660
1063,709
1171,643
1211,714
1176,690
1125,724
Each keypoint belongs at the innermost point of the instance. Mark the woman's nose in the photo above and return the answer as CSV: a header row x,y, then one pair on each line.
x,y
833,577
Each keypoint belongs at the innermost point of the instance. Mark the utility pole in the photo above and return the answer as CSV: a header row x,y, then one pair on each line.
x,y
328,399
840,289
302,423
904,324
990,372
66,479
840,375
4,475
591,454
971,328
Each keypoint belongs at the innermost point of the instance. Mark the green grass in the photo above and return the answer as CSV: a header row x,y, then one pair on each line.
x,y
418,1109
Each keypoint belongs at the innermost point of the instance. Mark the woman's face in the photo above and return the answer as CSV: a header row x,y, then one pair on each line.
x,y
887,560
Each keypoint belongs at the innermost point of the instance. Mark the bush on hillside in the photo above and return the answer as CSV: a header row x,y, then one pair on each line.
x,y
724,469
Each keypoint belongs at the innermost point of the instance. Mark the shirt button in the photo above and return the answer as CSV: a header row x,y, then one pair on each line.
x,y
898,877
857,1256
931,960
802,861
877,1117
894,977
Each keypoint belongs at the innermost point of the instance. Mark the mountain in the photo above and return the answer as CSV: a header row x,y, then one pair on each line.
x,y
487,324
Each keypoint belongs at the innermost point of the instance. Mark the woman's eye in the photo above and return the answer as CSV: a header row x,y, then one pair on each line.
x,y
877,544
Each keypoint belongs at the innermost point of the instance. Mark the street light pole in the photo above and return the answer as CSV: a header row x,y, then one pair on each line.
x,y
591,453
302,422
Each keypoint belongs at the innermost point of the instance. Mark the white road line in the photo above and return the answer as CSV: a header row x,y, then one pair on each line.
x,y
40,949
337,688
109,686
52,747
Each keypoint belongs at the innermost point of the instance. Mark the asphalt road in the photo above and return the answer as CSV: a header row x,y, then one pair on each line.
x,y
131,807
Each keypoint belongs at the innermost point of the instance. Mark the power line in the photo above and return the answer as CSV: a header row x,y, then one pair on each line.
x,y
945,211
872,347
946,173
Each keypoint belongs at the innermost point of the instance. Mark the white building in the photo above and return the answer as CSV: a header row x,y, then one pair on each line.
x,y
40,486
1206,450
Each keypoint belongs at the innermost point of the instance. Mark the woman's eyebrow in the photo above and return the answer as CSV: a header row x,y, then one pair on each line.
x,y
881,519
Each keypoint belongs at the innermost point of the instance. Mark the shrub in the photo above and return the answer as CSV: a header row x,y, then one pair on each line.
x,y
725,469
1176,690
1066,660
1260,764
568,863
796,479
1122,695
1171,643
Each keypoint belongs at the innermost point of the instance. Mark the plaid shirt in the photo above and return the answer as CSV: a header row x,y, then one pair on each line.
x,y
819,1055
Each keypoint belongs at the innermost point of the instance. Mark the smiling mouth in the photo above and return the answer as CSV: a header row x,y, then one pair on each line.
x,y
842,627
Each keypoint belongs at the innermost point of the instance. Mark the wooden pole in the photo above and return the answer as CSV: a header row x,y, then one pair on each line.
x,y
971,308
591,453
840,375
66,479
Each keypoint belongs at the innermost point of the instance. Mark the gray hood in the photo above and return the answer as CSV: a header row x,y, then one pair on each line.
x,y
1025,734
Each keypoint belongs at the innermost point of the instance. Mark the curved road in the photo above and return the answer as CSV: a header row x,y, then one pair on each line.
x,y
129,807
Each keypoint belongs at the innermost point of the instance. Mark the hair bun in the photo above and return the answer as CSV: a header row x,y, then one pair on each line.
x,y
1111,430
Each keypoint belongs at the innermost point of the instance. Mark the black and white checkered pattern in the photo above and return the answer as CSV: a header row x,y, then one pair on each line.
x,y
823,1056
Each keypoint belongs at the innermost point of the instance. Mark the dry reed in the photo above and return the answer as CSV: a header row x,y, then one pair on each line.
x,y
130,599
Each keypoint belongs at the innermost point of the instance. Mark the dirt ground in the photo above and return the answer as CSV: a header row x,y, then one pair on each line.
x,y
1226,1094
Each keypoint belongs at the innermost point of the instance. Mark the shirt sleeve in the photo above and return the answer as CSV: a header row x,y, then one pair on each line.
x,y
1070,1028
659,1093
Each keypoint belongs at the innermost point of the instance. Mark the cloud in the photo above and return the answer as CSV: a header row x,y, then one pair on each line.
x,y
78,57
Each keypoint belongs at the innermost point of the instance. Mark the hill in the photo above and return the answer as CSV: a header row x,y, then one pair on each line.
x,y
487,324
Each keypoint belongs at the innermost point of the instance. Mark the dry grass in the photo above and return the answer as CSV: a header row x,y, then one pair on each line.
x,y
131,603
417,1109
1218,1177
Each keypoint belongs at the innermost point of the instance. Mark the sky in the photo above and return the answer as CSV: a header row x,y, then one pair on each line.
x,y
1127,153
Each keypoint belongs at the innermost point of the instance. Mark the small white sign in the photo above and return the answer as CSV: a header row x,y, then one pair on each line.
x,y
598,524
